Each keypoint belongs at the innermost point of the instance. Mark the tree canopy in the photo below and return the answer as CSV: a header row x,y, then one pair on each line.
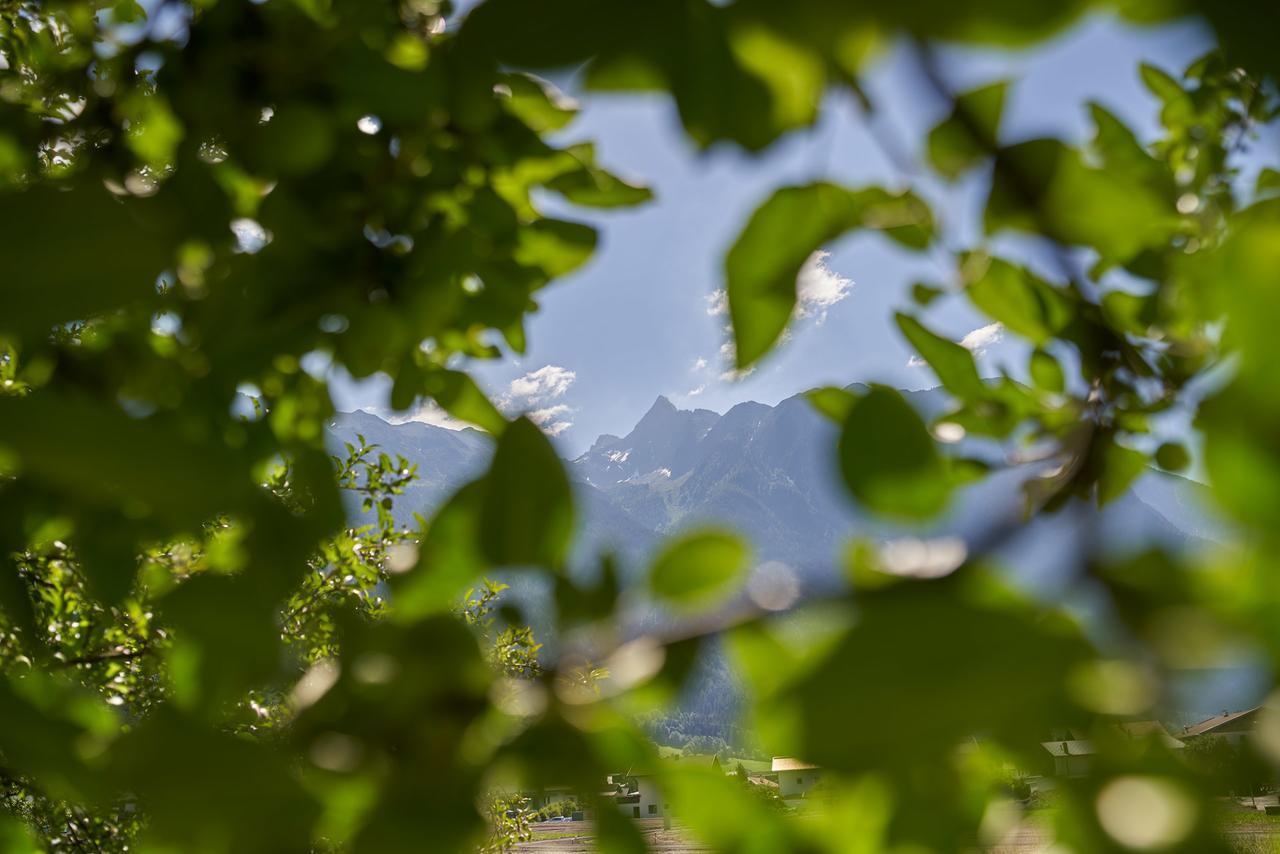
x,y
205,204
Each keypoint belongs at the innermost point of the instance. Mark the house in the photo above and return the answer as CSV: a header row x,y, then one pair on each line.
x,y
1071,758
795,778
1073,753
638,794
1232,726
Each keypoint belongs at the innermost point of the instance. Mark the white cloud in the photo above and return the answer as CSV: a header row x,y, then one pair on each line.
x,y
718,302
980,339
533,394
699,364
694,392
818,287
976,342
542,417
546,383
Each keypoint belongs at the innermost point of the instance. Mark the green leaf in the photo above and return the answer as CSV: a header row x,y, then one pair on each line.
x,y
1121,466
449,559
970,133
298,139
154,131
698,567
791,225
888,458
458,394
1122,154
1173,456
555,246
923,646
1046,372
527,511
1268,180
1160,83
792,72
105,252
924,294
832,402
1128,312
1019,299
952,363
591,186
538,103
1043,186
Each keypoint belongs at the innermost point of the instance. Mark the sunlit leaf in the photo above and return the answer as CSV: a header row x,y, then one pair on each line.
x,y
888,458
698,567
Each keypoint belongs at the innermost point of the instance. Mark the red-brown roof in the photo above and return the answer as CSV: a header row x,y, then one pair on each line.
x,y
787,763
1209,725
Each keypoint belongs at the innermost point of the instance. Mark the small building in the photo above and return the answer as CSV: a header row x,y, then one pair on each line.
x,y
1232,726
638,794
1071,758
1073,753
795,778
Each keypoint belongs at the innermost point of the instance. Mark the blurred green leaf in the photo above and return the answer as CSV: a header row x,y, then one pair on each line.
x,y
996,668
1172,456
698,567
527,511
1045,186
1014,296
888,458
1046,372
795,222
538,103
1120,467
970,133
832,402
952,363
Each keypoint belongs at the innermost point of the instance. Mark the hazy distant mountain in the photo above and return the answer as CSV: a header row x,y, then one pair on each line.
x,y
769,472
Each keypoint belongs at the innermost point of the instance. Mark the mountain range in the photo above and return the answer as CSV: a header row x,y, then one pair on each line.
x,y
769,472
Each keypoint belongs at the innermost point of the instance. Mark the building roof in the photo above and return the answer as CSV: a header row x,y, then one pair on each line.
x,y
786,763
1079,747
1207,726
761,780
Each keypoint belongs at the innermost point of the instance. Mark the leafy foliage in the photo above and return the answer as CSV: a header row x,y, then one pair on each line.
x,y
202,651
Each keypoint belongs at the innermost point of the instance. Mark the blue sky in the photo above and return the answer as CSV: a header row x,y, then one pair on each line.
x,y
636,322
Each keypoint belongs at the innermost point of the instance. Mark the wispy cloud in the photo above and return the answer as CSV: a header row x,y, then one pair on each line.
x,y
818,287
533,394
983,337
694,392
699,364
549,414
546,383
718,302
976,342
